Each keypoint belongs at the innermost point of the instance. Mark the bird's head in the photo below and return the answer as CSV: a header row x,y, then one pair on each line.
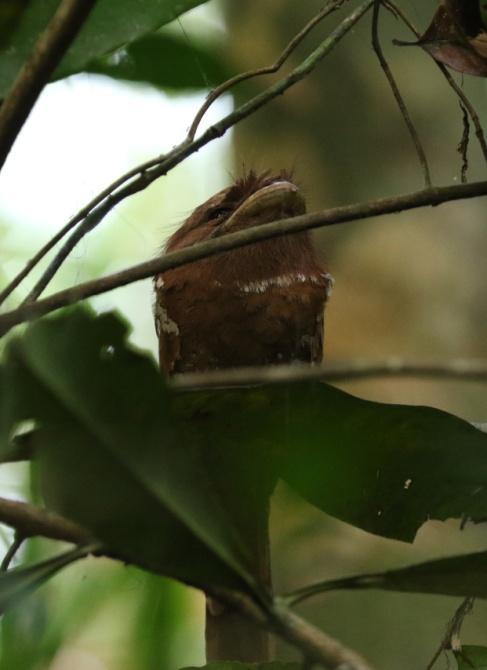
x,y
250,201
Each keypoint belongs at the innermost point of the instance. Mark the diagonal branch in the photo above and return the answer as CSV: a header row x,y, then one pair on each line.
x,y
424,198
143,175
315,645
397,94
30,521
37,70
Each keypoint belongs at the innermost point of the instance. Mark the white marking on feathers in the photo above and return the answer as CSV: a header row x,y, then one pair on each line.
x,y
164,322
285,281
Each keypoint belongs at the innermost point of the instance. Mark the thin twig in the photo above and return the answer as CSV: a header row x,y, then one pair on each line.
x,y
143,175
397,94
30,521
331,6
463,144
450,640
450,80
12,550
37,70
461,369
424,198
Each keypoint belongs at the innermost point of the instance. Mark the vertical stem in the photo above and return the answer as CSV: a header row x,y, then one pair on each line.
x,y
231,636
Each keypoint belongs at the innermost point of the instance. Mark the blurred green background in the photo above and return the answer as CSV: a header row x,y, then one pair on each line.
x,y
410,285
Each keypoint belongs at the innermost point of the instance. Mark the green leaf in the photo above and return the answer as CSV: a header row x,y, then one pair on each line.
x,y
471,657
384,468
464,575
16,583
109,26
165,61
113,457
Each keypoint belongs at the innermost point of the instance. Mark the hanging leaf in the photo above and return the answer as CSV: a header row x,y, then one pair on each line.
x,y
471,657
456,36
110,26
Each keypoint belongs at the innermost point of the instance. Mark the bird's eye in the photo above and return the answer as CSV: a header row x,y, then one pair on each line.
x,y
219,213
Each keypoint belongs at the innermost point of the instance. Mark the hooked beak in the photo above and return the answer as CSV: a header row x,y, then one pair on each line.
x,y
270,203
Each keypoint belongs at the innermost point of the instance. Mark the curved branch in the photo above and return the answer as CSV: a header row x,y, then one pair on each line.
x,y
143,175
36,72
424,198
332,6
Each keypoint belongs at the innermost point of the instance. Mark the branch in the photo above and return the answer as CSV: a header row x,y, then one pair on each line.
x,y
143,175
29,521
424,198
397,94
331,6
315,645
37,70
463,369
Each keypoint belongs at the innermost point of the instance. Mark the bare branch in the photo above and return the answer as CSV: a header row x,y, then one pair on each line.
x,y
143,175
30,521
337,215
36,72
461,369
397,94
316,646
331,6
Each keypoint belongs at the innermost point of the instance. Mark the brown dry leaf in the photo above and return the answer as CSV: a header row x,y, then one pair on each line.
x,y
457,38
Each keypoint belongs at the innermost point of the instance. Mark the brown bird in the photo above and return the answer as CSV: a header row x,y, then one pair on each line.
x,y
261,304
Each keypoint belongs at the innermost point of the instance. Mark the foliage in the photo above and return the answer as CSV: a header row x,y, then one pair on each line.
x,y
109,27
168,472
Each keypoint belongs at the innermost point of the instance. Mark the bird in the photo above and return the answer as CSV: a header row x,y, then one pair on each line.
x,y
261,304
257,305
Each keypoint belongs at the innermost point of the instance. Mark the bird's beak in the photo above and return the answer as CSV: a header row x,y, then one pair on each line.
x,y
276,201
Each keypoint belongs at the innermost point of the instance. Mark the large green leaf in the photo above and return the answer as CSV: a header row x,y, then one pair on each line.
x,y
112,456
464,575
165,61
384,468
199,467
110,26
